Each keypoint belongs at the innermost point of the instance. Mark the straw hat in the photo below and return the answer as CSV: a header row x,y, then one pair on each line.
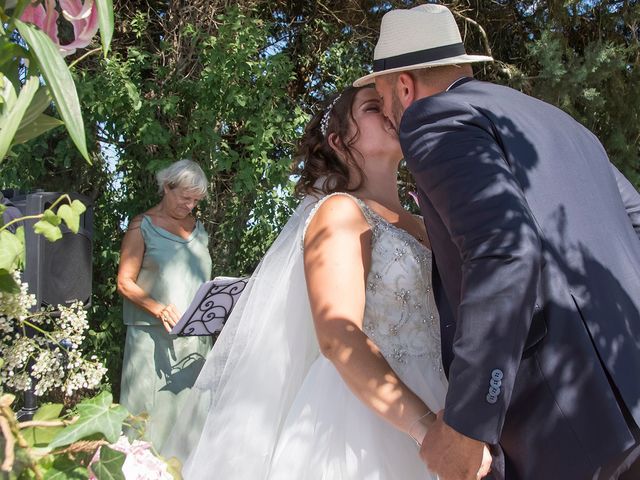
x,y
420,37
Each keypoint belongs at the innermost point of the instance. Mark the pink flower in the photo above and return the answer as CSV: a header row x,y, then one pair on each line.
x,y
44,17
140,464
82,15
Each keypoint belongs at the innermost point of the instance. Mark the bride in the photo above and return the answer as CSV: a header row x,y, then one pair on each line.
x,y
329,367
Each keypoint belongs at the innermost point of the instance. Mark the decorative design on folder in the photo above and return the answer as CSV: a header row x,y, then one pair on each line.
x,y
211,307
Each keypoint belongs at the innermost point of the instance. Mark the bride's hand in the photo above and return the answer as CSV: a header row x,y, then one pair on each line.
x,y
452,455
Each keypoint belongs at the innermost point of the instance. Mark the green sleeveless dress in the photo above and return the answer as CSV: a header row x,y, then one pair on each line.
x,y
158,368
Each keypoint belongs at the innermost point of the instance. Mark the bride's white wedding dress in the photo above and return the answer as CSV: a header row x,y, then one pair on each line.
x,y
281,411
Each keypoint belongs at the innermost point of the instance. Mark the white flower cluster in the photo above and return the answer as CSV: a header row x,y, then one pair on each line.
x,y
14,306
50,356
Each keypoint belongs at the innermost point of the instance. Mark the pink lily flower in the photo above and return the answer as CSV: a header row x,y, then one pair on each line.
x,y
45,18
84,18
83,15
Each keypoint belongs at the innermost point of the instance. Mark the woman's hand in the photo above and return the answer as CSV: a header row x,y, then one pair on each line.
x,y
168,315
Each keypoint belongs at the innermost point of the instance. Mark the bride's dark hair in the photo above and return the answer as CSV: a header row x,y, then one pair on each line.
x,y
315,158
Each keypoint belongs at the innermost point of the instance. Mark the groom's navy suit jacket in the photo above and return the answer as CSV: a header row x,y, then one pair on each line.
x,y
535,236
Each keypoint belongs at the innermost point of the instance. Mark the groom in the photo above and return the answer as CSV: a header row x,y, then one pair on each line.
x,y
535,236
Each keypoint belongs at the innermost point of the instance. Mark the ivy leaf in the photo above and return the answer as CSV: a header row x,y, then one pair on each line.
x,y
51,232
7,282
78,207
64,468
41,436
110,465
70,217
52,218
10,250
97,416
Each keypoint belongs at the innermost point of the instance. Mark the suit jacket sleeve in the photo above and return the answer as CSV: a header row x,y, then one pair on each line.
x,y
459,165
630,198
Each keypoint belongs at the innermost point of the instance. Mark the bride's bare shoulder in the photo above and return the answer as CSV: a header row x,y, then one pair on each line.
x,y
336,214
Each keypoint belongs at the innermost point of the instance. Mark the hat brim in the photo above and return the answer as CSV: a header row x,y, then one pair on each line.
x,y
367,79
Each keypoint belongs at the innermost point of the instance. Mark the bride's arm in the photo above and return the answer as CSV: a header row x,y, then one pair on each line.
x,y
337,257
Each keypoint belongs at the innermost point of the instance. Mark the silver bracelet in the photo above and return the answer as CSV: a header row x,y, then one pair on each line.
x,y
413,424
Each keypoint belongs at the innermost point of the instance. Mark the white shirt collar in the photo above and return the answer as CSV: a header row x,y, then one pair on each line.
x,y
456,81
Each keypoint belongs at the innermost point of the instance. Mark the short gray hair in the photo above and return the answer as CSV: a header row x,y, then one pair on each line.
x,y
185,174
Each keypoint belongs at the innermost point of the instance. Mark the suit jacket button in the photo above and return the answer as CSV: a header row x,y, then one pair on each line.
x,y
495,383
497,374
494,391
491,398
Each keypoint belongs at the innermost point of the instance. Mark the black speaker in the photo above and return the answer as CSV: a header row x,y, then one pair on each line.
x,y
57,272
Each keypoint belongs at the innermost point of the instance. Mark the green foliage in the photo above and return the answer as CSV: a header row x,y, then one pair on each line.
x,y
60,445
233,116
581,56
96,415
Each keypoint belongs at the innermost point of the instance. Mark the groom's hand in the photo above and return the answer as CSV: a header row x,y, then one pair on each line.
x,y
453,456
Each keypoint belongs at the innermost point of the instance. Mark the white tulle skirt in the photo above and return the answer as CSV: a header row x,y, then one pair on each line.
x,y
331,435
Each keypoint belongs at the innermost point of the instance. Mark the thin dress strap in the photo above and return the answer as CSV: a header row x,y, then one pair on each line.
x,y
366,211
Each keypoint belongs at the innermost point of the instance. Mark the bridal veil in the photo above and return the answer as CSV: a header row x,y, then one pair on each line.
x,y
254,371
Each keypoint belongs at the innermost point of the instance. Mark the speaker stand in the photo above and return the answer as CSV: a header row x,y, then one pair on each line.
x,y
29,406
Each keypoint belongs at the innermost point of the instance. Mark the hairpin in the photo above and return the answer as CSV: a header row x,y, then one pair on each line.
x,y
324,123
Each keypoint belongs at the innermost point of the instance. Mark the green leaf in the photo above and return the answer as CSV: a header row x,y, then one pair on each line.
x,y
12,115
51,232
20,236
59,81
133,95
70,217
8,53
64,468
10,250
7,282
3,208
78,207
51,217
40,125
41,100
41,436
105,20
97,415
48,411
110,465
7,92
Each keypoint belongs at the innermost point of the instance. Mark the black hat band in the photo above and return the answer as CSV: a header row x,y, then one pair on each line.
x,y
421,56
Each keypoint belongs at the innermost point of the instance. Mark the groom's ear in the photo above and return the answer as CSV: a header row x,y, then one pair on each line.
x,y
406,89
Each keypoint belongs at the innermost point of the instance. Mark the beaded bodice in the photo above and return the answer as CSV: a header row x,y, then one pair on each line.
x,y
400,313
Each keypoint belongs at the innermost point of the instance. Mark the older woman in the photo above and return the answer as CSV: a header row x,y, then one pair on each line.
x,y
164,259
